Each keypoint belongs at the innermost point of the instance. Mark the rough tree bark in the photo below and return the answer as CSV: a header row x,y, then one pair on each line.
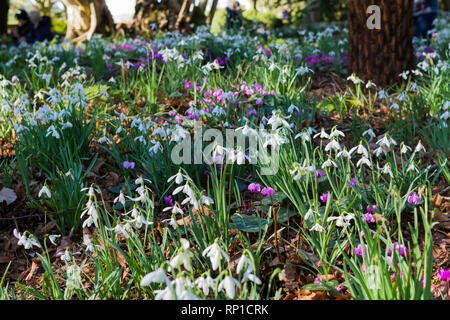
x,y
85,17
381,54
4,7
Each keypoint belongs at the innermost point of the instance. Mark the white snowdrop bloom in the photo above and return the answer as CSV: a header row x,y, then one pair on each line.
x,y
309,214
303,70
229,284
360,149
394,106
165,294
53,238
382,94
139,221
365,161
104,139
157,276
292,108
121,199
66,125
412,167
370,133
370,84
322,134
207,200
336,133
387,170
121,230
344,153
178,178
45,191
419,148
182,258
252,277
304,135
404,74
329,163
215,254
333,144
340,221
156,147
275,140
172,222
205,284
245,261
24,241
414,87
317,227
354,79
402,97
386,142
52,131
277,121
445,115
66,256
120,129
405,149
379,151
141,180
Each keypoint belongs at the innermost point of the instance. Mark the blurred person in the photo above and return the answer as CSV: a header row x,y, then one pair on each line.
x,y
425,12
286,14
234,16
24,27
42,28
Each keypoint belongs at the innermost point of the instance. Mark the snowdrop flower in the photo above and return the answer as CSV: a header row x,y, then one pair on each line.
x,y
207,200
419,148
66,256
412,167
394,106
387,170
365,161
52,131
104,139
175,209
183,257
360,149
344,153
89,245
157,276
172,222
53,237
386,142
379,151
121,199
354,79
24,241
322,134
317,227
215,254
336,133
304,135
45,191
205,284
333,144
370,133
229,284
405,149
178,178
329,163
404,74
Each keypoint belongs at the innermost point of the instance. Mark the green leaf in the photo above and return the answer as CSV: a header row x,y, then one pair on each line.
x,y
277,197
248,223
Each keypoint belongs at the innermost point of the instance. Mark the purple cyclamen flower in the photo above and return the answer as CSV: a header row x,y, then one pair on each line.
x,y
254,187
319,174
324,197
172,113
340,288
352,182
371,209
267,192
128,165
317,280
401,249
169,200
360,251
252,112
368,217
444,274
413,198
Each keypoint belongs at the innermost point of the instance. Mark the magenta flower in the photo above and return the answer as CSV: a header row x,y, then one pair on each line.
x,y
178,119
444,274
401,249
267,192
169,200
254,187
340,288
252,112
371,209
413,198
128,165
368,217
317,280
352,182
319,174
324,197
172,113
360,251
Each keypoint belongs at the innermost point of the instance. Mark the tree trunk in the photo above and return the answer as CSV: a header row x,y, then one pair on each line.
x,y
202,5
4,7
84,17
212,12
380,55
